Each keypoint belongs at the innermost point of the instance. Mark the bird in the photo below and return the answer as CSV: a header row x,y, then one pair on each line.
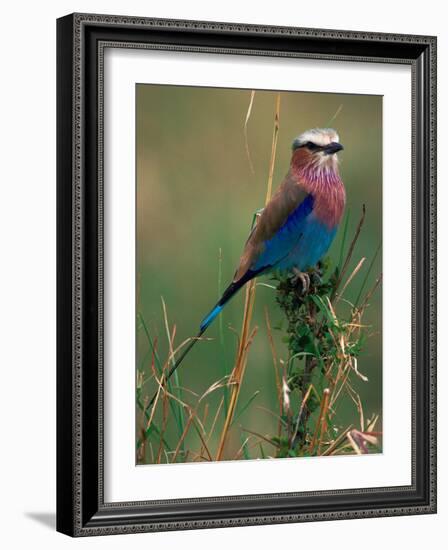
x,y
298,224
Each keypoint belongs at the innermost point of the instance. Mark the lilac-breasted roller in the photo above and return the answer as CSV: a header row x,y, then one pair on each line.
x,y
296,228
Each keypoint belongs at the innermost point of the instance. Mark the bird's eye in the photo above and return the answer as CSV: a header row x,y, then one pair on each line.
x,y
312,146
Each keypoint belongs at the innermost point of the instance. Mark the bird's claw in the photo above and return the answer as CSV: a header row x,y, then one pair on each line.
x,y
316,277
304,279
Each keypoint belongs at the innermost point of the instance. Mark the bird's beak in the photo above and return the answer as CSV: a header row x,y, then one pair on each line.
x,y
332,148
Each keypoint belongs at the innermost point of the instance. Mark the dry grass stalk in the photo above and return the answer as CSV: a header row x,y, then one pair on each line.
x,y
370,293
341,437
302,408
218,410
241,360
276,368
182,437
362,438
240,452
322,413
201,437
349,280
371,425
273,148
353,444
246,140
240,366
164,423
350,251
260,436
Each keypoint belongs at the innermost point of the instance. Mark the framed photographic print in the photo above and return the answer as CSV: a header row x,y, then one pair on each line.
x,y
246,274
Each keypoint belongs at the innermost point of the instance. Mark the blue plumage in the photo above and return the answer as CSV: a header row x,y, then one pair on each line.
x,y
278,249
208,320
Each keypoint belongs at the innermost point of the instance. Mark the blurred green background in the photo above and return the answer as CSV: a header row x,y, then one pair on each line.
x,y
196,196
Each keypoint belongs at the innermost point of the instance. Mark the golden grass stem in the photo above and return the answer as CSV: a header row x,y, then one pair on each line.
x,y
350,251
241,359
350,278
204,443
336,442
246,121
212,429
240,365
322,414
182,437
354,445
273,148
260,436
164,422
302,408
276,369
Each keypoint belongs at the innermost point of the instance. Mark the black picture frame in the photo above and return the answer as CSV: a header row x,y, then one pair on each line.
x,y
81,510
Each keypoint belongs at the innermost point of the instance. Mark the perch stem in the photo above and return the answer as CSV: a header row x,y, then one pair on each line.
x,y
241,361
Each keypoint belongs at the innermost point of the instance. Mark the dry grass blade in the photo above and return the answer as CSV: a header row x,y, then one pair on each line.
x,y
353,444
182,437
260,436
322,414
215,386
333,446
343,376
302,408
358,374
246,140
350,251
206,410
273,353
159,389
276,416
167,329
357,401
336,114
324,425
371,293
275,363
164,423
274,148
215,419
361,439
201,437
241,449
240,365
246,335
350,278
371,425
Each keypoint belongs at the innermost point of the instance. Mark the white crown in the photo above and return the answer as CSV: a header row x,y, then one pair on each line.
x,y
318,136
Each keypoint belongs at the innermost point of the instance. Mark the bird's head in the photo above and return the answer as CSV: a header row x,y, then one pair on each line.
x,y
316,148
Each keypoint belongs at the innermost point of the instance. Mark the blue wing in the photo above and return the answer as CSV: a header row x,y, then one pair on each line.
x,y
281,247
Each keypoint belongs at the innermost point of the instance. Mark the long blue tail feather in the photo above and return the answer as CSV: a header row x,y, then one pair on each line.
x,y
230,291
208,320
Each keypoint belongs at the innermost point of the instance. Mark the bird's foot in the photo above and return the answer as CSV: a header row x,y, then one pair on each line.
x,y
316,277
304,278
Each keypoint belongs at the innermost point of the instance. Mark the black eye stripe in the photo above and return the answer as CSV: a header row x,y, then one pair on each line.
x,y
312,146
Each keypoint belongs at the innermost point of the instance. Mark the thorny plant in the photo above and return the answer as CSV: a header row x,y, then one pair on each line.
x,y
323,351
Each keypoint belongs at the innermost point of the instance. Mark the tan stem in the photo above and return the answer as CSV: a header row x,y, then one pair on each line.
x,y
241,360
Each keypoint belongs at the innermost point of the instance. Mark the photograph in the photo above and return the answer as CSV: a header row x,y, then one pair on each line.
x,y
258,274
